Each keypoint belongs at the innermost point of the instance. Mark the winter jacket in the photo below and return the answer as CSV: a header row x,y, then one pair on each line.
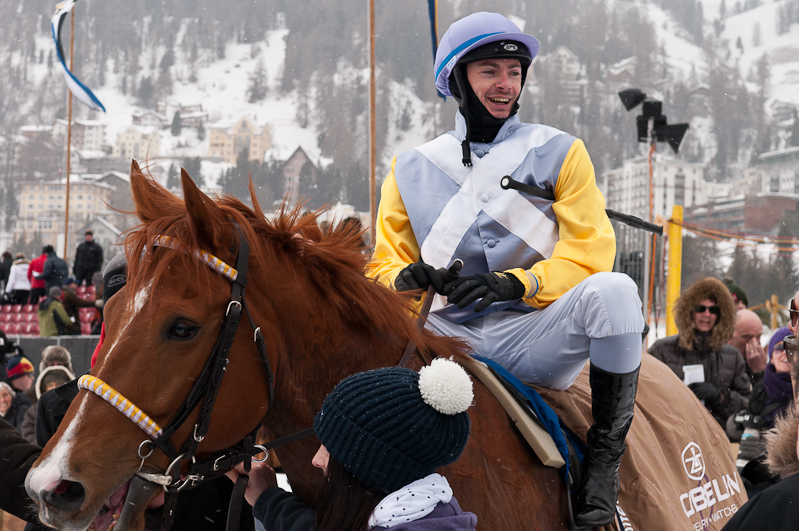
x,y
723,365
18,276
434,209
48,308
88,257
72,302
54,273
16,413
16,458
278,510
37,266
775,508
5,267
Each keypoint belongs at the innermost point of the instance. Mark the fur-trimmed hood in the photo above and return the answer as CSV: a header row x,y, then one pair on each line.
x,y
781,450
706,288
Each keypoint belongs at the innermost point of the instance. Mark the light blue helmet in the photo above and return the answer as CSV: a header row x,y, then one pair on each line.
x,y
470,33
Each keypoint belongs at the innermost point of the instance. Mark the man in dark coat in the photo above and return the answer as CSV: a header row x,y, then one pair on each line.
x,y
88,259
55,270
5,268
705,317
18,456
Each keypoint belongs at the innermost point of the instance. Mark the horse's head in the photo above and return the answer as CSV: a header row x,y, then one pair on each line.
x,y
160,331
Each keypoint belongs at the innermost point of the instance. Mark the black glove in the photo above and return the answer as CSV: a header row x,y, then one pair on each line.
x,y
421,276
491,287
708,392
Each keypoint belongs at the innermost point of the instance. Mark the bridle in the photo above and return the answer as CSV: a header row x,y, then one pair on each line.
x,y
205,390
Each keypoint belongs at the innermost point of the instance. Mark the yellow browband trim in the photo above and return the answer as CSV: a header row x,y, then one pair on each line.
x,y
116,399
207,258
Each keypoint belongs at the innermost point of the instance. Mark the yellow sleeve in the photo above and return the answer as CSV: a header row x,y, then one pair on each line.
x,y
587,243
395,242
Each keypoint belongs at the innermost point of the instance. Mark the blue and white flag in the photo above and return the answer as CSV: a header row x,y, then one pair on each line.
x,y
78,89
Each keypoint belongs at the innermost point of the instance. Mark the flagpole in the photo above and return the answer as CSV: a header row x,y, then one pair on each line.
x,y
69,128
372,132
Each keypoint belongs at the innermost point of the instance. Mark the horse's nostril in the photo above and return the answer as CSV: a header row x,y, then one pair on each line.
x,y
66,495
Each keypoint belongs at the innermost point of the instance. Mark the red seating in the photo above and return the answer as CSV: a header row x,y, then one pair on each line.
x,y
5,308
5,317
29,308
29,318
85,329
29,329
16,308
9,328
86,314
16,317
81,290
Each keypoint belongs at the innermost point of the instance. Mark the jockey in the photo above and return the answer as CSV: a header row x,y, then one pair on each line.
x,y
535,293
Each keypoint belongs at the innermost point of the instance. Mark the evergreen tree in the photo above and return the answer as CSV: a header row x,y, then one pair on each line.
x,y
256,90
193,167
201,132
307,188
176,124
172,177
794,140
146,92
237,178
699,259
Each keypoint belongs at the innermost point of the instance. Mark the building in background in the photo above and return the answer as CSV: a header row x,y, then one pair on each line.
x,y
676,182
149,118
227,140
752,214
292,169
775,172
86,134
42,208
138,142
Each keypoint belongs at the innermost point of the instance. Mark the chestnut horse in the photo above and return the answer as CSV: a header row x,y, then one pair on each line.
x,y
321,320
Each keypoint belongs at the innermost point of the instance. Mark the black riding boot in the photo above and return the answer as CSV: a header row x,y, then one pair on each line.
x,y
612,399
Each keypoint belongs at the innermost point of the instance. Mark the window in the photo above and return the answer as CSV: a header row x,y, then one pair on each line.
x,y
775,184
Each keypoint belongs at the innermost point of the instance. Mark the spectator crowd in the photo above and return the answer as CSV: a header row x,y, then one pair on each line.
x,y
44,286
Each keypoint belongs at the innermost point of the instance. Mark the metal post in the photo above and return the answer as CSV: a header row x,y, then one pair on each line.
x,y
674,278
372,130
775,308
649,277
69,130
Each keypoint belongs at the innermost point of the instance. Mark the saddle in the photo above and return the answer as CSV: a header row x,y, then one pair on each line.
x,y
677,473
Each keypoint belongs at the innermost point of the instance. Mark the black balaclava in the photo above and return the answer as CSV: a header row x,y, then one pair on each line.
x,y
481,125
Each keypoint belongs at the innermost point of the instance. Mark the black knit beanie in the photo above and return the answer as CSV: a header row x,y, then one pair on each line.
x,y
390,427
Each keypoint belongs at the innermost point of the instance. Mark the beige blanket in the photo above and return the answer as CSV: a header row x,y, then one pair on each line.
x,y
677,473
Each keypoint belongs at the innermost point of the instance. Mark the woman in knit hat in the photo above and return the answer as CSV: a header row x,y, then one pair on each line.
x,y
383,434
770,398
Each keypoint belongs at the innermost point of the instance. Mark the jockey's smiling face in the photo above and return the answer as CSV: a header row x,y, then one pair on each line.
x,y
705,320
496,83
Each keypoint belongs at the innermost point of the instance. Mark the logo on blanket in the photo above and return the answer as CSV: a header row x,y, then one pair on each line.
x,y
693,462
706,495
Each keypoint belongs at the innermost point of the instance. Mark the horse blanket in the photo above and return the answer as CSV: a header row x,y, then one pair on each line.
x,y
677,473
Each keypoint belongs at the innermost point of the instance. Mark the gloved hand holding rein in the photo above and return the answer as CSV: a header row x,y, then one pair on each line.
x,y
491,287
422,276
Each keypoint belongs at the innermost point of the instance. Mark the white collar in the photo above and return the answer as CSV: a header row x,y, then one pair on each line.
x,y
412,502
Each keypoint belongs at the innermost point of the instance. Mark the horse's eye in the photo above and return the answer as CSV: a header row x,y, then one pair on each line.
x,y
182,330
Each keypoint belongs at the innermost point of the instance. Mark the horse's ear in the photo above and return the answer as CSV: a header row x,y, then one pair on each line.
x,y
150,199
205,215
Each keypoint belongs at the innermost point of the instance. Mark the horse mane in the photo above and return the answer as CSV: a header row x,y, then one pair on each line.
x,y
332,262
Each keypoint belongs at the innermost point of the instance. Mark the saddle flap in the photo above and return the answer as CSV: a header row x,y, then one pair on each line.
x,y
535,435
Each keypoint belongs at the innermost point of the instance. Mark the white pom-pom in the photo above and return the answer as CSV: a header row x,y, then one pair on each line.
x,y
446,387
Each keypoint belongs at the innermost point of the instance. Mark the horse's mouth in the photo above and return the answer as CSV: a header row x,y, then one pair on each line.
x,y
125,507
111,507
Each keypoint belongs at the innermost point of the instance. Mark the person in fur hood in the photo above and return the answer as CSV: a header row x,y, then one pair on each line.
x,y
705,318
